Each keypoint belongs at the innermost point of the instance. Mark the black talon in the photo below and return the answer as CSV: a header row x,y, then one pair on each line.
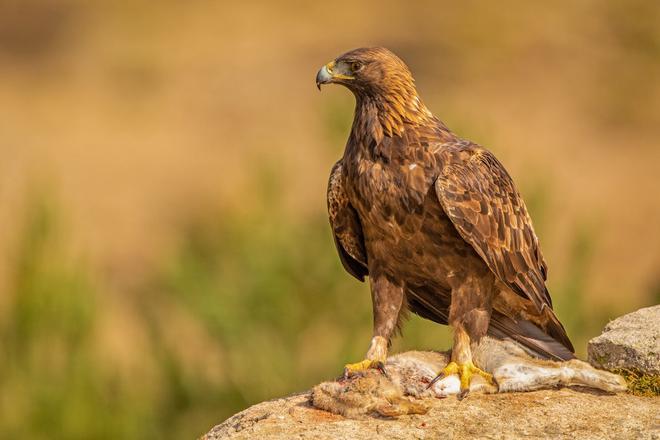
x,y
437,378
381,367
463,394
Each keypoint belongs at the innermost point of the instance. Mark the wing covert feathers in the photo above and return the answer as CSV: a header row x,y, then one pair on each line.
x,y
482,202
346,228
480,198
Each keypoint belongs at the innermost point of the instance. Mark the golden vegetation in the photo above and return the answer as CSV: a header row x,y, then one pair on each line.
x,y
639,384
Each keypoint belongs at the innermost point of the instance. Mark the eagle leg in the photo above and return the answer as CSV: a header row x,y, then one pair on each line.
x,y
469,315
461,363
387,300
375,359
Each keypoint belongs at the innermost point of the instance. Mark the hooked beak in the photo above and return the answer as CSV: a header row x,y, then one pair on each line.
x,y
324,76
328,74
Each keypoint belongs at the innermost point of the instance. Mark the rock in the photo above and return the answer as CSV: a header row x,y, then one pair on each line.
x,y
631,342
557,414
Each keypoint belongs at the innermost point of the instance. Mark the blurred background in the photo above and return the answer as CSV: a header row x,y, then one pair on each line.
x,y
165,257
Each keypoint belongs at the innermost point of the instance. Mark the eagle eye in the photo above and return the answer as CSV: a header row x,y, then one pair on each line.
x,y
355,66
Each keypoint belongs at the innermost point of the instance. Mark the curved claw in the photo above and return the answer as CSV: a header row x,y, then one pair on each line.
x,y
451,368
381,367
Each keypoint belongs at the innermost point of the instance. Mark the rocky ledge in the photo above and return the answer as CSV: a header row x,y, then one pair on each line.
x,y
557,414
628,343
631,342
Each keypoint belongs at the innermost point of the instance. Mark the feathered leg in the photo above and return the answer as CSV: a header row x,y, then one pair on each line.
x,y
469,315
387,300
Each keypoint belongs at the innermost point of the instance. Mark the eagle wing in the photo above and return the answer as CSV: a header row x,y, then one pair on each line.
x,y
484,205
346,228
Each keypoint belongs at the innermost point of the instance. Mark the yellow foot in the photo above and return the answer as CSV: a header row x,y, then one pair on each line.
x,y
359,367
465,373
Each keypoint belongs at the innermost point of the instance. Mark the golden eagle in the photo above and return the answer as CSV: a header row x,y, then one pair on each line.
x,y
434,221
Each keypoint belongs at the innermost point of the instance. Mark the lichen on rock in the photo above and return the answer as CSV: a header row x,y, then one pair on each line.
x,y
630,346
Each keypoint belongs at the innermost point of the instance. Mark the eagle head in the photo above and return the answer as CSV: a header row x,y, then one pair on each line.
x,y
383,85
367,70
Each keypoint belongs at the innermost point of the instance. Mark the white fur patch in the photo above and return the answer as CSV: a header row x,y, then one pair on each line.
x,y
523,377
447,386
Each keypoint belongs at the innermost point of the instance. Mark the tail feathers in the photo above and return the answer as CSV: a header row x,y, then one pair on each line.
x,y
531,337
555,329
551,345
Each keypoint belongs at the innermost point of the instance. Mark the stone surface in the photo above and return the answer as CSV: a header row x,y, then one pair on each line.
x,y
631,342
553,414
